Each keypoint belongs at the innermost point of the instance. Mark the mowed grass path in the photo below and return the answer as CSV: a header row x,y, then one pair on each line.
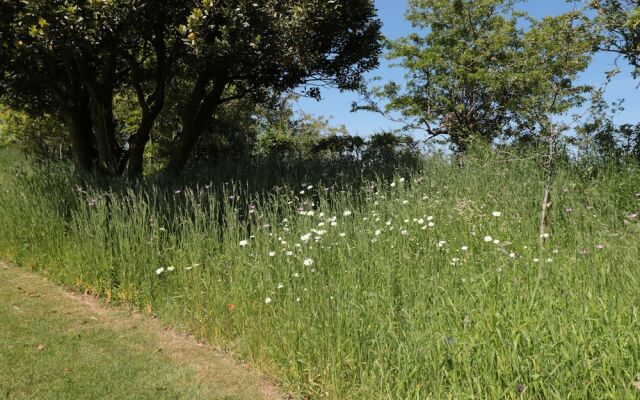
x,y
56,345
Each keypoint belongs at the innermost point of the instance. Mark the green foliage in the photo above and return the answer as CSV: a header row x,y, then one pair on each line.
x,y
474,70
40,136
412,302
619,22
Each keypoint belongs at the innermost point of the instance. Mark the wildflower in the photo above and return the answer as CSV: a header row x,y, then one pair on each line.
x,y
496,214
231,307
378,232
296,275
393,184
404,232
308,262
420,221
159,270
305,237
402,180
243,243
549,260
568,210
431,224
600,247
289,253
633,215
545,236
512,255
430,218
496,241
309,187
342,234
535,260
488,239
267,300
171,268
346,213
280,286
405,202
442,243
272,254
464,248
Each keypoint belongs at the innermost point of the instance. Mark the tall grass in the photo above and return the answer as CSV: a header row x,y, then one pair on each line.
x,y
428,284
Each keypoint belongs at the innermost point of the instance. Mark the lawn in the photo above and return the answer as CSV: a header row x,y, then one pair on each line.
x,y
54,345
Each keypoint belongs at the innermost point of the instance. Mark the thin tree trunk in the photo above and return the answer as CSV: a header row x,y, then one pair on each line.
x,y
546,200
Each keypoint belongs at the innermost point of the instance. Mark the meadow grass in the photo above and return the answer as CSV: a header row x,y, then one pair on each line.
x,y
427,284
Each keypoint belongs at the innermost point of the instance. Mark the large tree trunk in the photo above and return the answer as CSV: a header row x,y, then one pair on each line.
x,y
78,121
109,151
137,145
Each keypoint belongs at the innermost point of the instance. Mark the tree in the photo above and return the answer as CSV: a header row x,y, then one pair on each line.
x,y
619,21
73,57
70,58
481,69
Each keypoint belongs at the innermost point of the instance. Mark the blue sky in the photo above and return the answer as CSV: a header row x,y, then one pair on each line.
x,y
336,106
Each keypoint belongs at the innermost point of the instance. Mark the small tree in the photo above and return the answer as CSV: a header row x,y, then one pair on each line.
x,y
475,71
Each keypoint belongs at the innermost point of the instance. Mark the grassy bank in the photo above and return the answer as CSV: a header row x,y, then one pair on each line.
x,y
428,285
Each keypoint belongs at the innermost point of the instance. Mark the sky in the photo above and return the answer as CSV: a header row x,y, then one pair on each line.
x,y
336,106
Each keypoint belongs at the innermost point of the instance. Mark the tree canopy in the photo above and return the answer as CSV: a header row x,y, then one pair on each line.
x,y
71,57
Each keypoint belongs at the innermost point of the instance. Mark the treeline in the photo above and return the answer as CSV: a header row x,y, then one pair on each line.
x,y
128,86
